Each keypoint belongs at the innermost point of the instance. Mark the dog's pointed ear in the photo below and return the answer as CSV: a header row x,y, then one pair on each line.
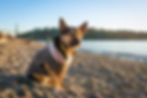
x,y
84,27
62,25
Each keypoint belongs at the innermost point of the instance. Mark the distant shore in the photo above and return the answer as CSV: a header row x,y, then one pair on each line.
x,y
92,75
92,33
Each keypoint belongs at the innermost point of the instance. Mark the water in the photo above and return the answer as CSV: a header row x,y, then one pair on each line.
x,y
124,49
138,47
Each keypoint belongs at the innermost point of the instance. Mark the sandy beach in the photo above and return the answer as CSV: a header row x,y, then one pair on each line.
x,y
90,76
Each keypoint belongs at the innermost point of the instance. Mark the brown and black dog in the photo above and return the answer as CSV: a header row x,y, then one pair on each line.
x,y
51,63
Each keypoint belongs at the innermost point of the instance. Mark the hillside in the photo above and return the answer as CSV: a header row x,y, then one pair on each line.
x,y
92,33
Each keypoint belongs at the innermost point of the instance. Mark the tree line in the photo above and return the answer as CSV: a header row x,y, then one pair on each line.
x,y
92,33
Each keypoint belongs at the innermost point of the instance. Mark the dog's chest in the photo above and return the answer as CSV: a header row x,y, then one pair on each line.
x,y
58,57
68,60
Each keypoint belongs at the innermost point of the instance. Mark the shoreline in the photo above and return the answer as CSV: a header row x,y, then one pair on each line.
x,y
122,56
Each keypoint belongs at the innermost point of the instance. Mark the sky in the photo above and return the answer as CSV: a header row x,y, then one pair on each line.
x,y
109,14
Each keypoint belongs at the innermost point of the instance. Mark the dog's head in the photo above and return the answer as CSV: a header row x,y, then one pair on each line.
x,y
70,37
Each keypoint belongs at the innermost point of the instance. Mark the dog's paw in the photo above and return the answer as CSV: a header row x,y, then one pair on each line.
x,y
59,90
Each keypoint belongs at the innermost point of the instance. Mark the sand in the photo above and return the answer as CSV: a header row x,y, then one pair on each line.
x,y
90,76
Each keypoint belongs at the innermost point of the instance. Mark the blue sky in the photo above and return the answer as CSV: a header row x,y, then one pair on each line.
x,y
111,14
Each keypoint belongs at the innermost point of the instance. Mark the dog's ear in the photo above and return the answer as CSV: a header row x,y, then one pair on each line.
x,y
62,25
83,27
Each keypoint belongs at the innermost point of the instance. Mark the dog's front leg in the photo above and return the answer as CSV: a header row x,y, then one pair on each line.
x,y
60,78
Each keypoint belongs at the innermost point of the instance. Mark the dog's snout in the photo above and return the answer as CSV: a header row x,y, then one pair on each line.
x,y
75,42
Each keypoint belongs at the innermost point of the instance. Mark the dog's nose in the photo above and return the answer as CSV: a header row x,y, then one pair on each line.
x,y
75,42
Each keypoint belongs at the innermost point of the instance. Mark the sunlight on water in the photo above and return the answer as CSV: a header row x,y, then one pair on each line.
x,y
136,47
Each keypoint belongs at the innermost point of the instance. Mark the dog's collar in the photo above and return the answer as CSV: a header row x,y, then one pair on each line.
x,y
55,53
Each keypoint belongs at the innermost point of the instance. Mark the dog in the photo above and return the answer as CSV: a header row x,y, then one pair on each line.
x,y
50,64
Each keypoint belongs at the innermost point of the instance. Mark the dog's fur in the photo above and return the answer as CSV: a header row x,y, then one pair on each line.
x,y
48,71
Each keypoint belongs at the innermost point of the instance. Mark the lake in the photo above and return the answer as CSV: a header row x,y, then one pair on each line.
x,y
124,49
138,47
